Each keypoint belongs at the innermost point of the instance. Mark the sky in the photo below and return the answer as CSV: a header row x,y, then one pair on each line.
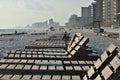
x,y
22,12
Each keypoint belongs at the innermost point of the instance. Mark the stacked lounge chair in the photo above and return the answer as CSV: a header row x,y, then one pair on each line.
x,y
48,44
73,52
39,65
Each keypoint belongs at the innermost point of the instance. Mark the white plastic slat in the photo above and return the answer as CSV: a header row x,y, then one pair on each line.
x,y
90,72
16,60
98,63
19,67
56,77
46,77
77,47
77,68
36,77
26,77
73,52
106,72
9,60
5,77
98,78
16,77
59,68
27,67
43,67
66,77
11,66
23,61
111,48
3,66
11,55
30,61
35,67
3,60
85,77
74,77
115,62
69,68
51,67
104,56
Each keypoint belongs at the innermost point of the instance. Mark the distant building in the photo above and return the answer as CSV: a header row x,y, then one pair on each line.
x,y
52,23
85,20
28,26
44,24
74,22
40,24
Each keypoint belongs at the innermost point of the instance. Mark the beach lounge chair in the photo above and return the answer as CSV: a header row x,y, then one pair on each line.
x,y
106,67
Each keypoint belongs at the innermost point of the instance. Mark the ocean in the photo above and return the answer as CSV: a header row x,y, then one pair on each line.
x,y
11,31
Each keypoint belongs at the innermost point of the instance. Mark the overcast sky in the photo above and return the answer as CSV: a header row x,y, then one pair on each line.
x,y
23,12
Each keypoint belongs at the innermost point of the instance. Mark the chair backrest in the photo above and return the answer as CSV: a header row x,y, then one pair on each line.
x,y
73,38
111,48
79,46
84,41
74,44
107,54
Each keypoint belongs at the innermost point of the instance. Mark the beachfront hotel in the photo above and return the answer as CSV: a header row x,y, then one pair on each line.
x,y
98,10
109,12
118,11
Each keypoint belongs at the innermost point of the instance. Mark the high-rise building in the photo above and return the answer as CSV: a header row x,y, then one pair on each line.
x,y
90,10
97,10
85,12
110,12
87,15
94,11
118,11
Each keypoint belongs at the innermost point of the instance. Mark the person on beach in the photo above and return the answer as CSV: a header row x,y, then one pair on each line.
x,y
66,36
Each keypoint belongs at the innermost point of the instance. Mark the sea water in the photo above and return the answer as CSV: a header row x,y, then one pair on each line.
x,y
12,31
